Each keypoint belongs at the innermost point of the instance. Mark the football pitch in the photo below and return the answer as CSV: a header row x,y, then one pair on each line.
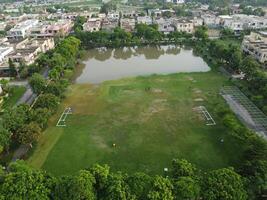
x,y
139,124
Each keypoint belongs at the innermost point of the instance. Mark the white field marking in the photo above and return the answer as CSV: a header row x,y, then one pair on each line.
x,y
210,120
61,121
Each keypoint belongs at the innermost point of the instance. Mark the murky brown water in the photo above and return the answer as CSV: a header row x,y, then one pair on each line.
x,y
108,64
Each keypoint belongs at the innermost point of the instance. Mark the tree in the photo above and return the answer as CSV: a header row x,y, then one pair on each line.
x,y
14,119
12,68
227,32
26,183
249,66
78,24
186,188
29,133
223,184
40,116
57,88
100,174
48,101
5,138
81,186
161,189
139,185
201,33
37,83
116,188
181,167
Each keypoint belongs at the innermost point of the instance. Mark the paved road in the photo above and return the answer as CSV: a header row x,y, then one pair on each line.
x,y
28,97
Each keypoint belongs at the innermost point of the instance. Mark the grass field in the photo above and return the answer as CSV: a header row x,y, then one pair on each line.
x,y
150,119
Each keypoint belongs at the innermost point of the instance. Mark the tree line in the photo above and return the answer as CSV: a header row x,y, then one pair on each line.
x,y
183,181
142,35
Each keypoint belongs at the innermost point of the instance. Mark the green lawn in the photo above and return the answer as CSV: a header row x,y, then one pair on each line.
x,y
15,94
150,127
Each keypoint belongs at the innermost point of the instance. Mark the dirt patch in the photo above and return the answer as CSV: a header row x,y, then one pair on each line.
x,y
100,142
198,100
156,106
197,91
189,78
156,90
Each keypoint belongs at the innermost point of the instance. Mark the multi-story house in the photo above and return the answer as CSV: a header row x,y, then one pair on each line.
x,y
127,24
184,25
21,30
144,20
109,24
255,44
93,24
4,51
165,25
61,27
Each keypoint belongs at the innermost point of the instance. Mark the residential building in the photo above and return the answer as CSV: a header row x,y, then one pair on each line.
x,y
109,24
241,22
127,24
235,9
45,44
210,20
165,25
156,12
4,51
113,15
255,44
184,25
22,29
197,21
3,26
129,14
178,1
144,20
26,56
40,30
93,24
27,51
61,28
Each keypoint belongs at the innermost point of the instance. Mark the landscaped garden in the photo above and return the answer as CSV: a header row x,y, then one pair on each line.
x,y
139,124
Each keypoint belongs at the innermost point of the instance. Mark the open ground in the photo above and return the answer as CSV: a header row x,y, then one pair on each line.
x,y
139,124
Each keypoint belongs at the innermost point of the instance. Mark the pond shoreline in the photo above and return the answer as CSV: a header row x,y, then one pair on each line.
x,y
102,64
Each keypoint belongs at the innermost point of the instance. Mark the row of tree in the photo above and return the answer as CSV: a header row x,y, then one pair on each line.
x,y
184,181
23,124
143,34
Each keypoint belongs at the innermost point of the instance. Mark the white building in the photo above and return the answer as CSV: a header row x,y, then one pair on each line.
x,y
255,44
178,1
93,24
184,25
165,25
210,20
113,15
144,20
4,51
241,22
22,29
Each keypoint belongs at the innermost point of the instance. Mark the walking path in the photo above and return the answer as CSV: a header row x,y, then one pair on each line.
x,y
28,98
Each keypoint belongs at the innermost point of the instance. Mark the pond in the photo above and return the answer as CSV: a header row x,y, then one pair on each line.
x,y
103,64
